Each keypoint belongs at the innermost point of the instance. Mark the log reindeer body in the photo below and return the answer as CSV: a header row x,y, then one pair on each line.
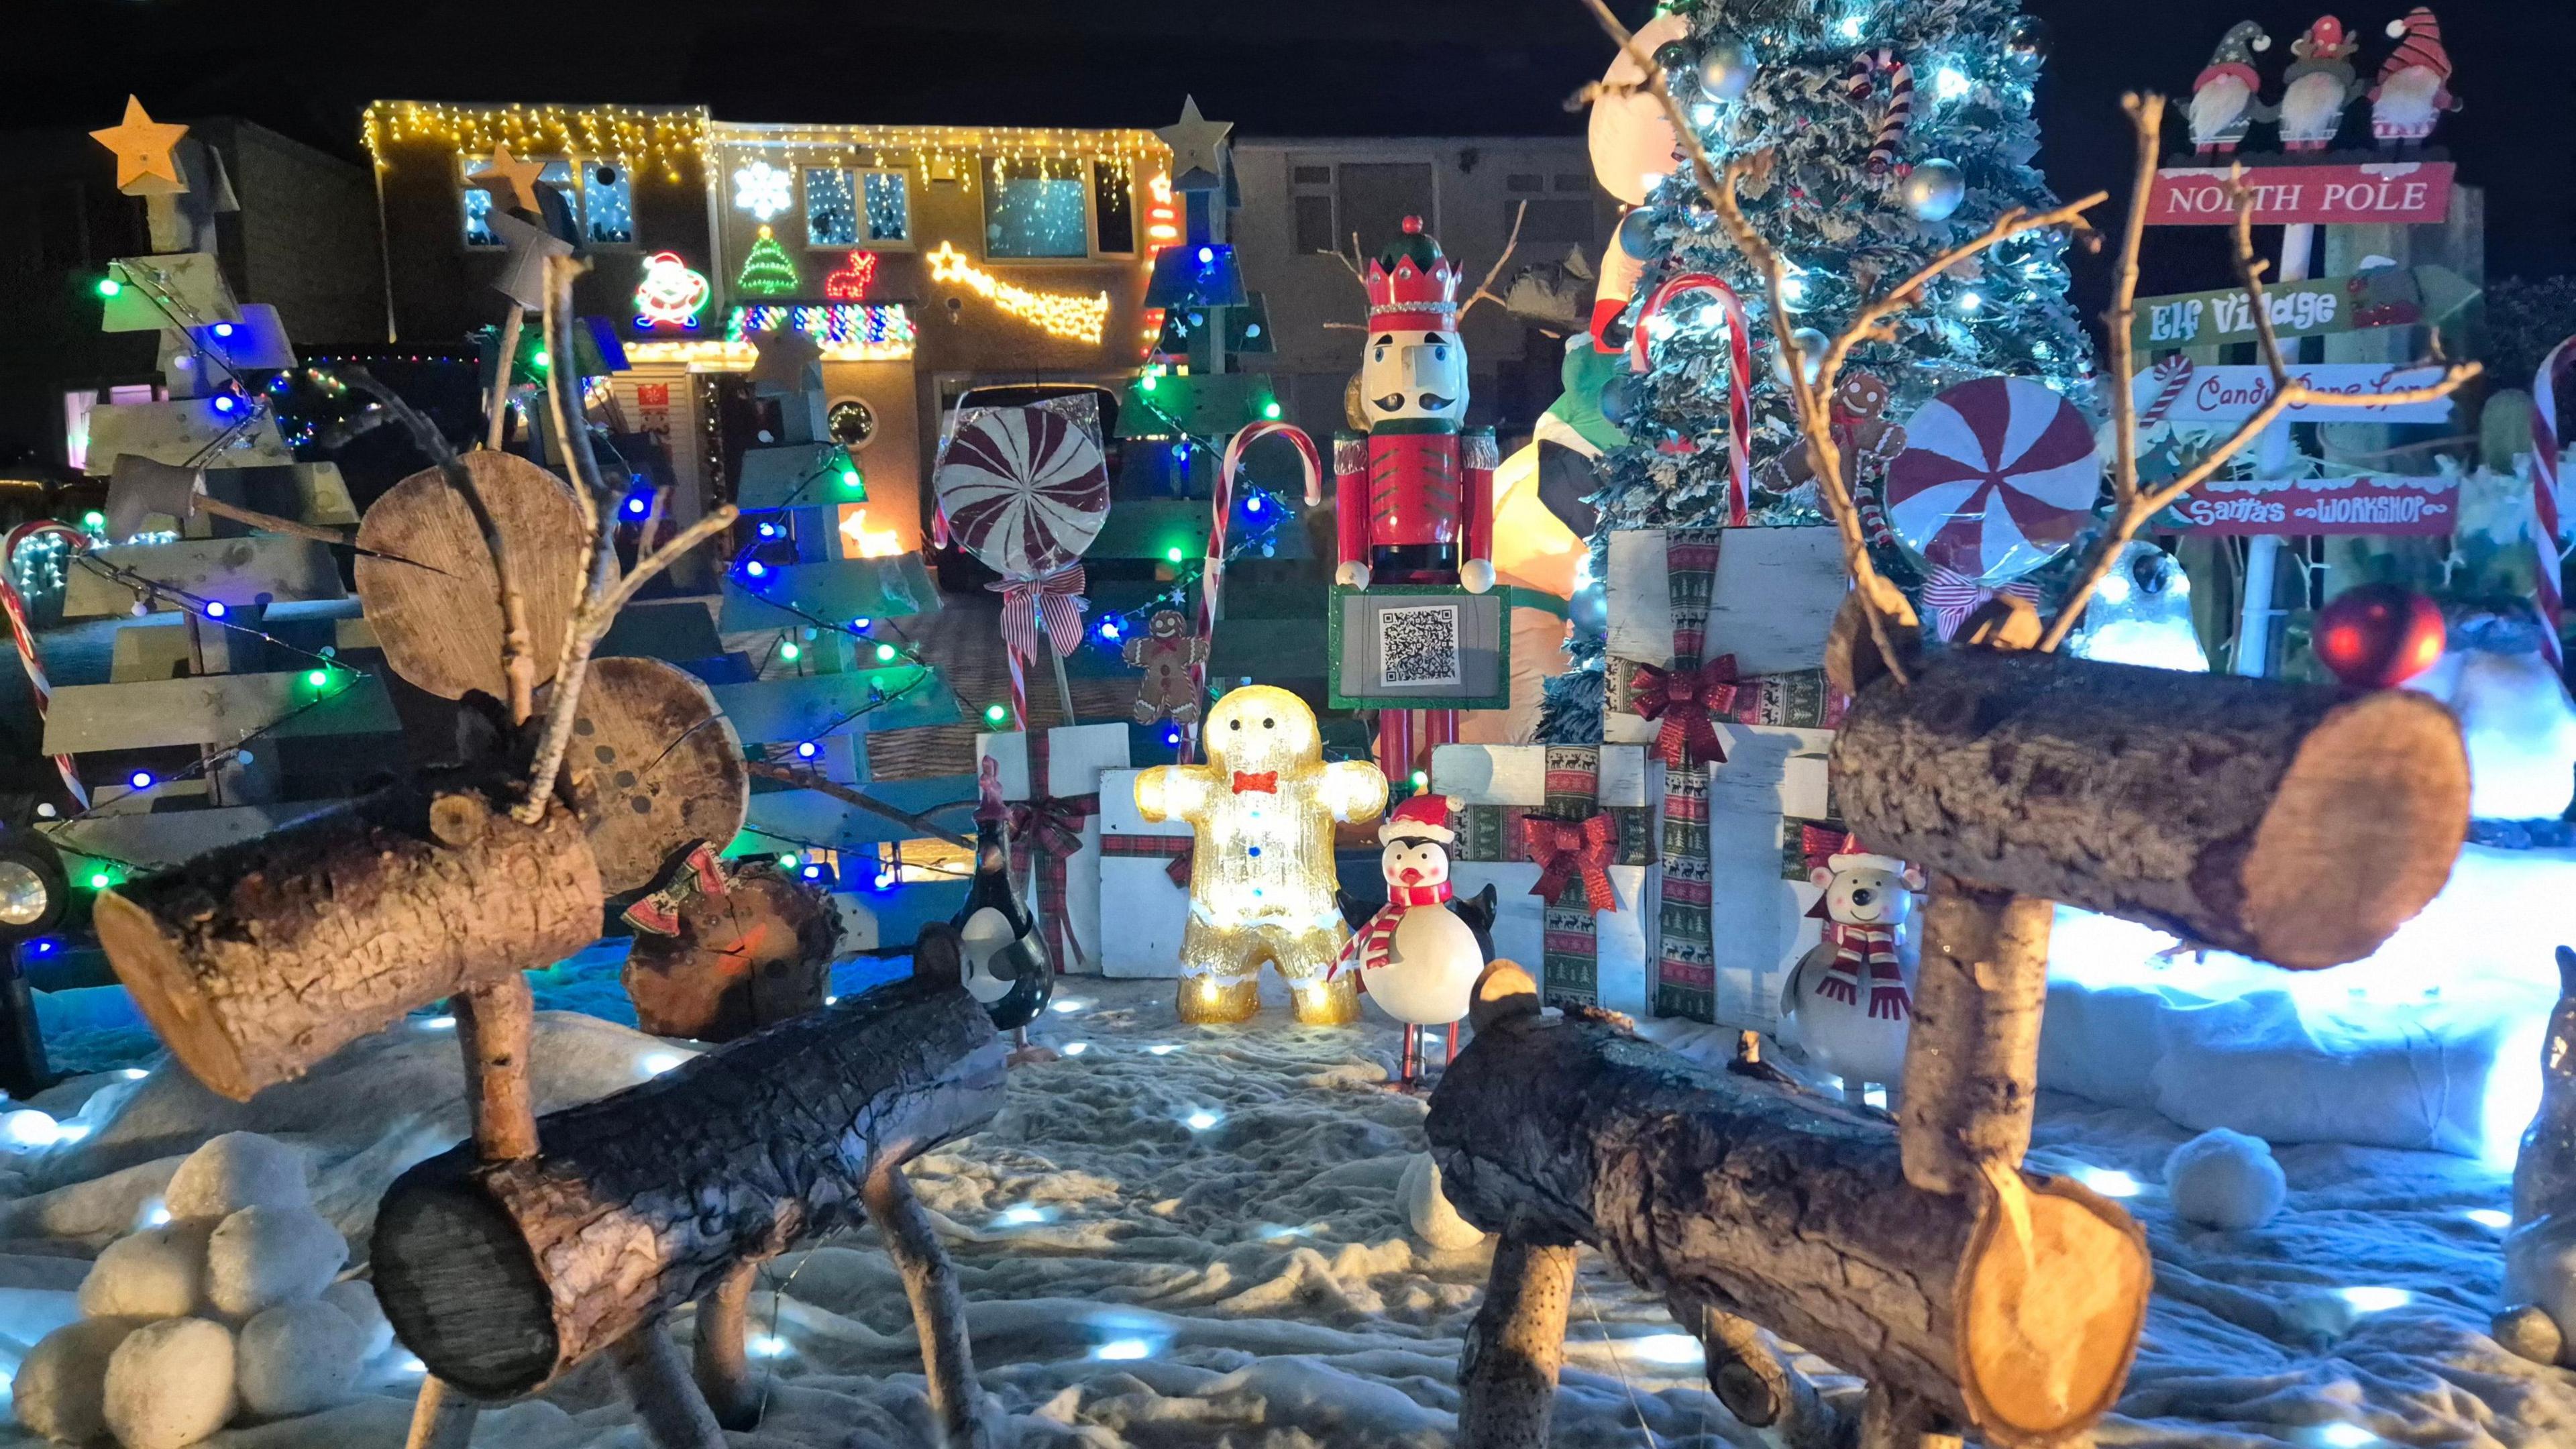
x,y
1849,1002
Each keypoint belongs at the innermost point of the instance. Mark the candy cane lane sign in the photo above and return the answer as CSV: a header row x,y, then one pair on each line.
x,y
2386,505
2387,191
2228,394
2379,297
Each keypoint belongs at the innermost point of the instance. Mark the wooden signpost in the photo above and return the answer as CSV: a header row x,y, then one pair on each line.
x,y
2378,191
2227,394
2379,297
2398,505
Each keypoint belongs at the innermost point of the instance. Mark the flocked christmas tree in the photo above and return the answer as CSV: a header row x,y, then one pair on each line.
x,y
1895,130
766,269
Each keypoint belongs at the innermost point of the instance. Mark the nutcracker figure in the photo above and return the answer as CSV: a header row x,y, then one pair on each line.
x,y
1414,495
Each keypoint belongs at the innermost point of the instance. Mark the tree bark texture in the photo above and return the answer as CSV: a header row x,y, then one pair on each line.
x,y
1728,1192
1507,1379
938,1308
494,1025
722,1367
257,960
1972,1055
750,958
502,1275
2293,823
656,1380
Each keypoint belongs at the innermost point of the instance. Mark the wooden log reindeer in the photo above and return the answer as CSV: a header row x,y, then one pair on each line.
x,y
509,1260
2293,823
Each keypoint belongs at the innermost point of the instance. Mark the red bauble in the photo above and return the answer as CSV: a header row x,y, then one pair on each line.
x,y
2379,636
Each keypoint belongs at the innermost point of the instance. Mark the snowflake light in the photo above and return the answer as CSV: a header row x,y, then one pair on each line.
x,y
763,190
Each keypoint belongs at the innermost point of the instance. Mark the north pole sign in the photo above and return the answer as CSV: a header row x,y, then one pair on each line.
x,y
2417,506
2389,191
2196,395
2379,297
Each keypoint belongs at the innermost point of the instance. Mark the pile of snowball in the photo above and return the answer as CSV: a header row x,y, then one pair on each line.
x,y
228,1309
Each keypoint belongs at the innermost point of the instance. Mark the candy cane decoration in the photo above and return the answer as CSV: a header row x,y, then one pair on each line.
x,y
2544,486
1862,81
1739,379
2173,376
25,637
1212,569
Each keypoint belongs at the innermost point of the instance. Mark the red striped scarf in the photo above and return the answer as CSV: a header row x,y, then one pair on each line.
x,y
1369,949
1869,950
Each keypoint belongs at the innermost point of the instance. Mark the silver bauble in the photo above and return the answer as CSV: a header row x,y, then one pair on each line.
x,y
1808,343
1726,70
2028,40
1933,190
1619,399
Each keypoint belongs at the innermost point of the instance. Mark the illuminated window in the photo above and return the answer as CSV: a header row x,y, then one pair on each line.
x,y
1036,208
831,208
889,199
1113,207
607,204
478,202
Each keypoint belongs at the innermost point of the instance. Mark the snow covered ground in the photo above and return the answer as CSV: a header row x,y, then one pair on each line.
x,y
1190,1237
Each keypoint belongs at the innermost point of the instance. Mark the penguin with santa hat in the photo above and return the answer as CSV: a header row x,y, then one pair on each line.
x,y
1419,955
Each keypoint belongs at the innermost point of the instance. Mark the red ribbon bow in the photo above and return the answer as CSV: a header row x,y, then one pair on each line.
x,y
1950,596
1267,782
1683,697
1052,827
1566,848
1056,600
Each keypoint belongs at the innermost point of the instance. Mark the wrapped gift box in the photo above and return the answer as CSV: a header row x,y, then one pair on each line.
x,y
1772,784
1603,958
1074,759
1136,886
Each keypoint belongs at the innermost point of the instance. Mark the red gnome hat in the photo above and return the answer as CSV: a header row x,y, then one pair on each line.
x,y
2419,38
1424,817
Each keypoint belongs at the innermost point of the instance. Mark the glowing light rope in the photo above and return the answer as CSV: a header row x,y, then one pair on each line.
x,y
1057,314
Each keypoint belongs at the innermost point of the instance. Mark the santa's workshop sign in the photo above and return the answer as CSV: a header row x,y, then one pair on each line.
x,y
2383,191
2378,505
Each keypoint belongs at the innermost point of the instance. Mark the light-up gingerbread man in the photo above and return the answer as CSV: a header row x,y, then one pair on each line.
x,y
1261,877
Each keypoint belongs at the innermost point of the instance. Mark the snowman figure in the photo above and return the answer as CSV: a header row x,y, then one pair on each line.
x,y
1849,1000
1416,958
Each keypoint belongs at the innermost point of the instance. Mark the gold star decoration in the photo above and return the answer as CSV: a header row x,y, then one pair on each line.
x,y
512,182
144,165
1197,148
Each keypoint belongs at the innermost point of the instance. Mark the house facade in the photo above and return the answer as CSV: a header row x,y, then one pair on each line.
x,y
925,259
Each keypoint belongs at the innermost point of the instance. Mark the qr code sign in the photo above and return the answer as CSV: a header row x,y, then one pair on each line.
x,y
1419,645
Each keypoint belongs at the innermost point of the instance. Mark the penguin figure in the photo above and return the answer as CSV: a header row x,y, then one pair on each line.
x,y
2540,1250
1005,964
2224,99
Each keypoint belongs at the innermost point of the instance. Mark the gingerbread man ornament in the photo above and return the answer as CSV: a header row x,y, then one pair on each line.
x,y
1261,877
1165,654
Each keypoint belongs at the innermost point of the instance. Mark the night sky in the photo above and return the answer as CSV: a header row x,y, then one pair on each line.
x,y
1275,67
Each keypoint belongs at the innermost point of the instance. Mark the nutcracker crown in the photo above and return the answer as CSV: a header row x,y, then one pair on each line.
x,y
1410,284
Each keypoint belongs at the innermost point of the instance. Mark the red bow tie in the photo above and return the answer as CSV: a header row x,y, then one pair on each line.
x,y
1267,782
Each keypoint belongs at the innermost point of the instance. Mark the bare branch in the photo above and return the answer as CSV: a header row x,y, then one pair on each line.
x,y
2133,506
815,781
600,614
1484,289
498,419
